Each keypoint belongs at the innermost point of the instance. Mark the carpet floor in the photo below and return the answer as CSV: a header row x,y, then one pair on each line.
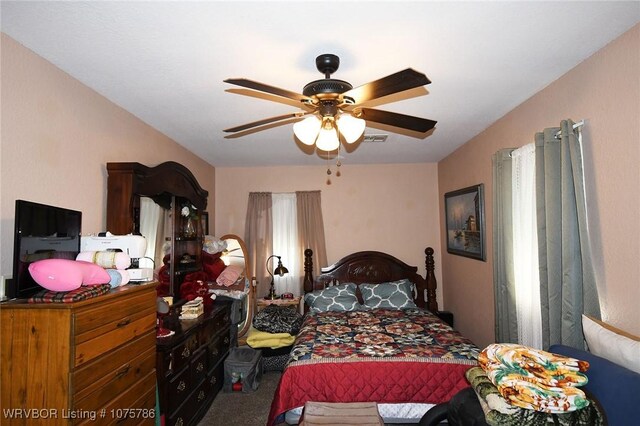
x,y
243,409
247,409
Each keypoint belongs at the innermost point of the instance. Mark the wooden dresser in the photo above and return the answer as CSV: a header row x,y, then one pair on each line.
x,y
190,365
89,362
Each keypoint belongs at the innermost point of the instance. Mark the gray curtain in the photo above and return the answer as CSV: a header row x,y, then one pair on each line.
x,y
506,326
311,228
258,236
567,282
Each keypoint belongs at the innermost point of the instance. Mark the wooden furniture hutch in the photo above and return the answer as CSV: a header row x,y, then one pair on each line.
x,y
172,186
189,364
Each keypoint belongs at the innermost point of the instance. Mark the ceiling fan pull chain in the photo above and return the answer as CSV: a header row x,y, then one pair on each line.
x,y
338,163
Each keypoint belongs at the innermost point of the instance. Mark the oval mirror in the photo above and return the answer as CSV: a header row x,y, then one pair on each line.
x,y
236,254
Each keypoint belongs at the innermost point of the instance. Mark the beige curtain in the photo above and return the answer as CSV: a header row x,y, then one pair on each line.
x,y
258,237
311,228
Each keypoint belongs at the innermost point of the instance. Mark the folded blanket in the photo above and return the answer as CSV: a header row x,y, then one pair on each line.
x,y
535,379
260,339
82,293
499,412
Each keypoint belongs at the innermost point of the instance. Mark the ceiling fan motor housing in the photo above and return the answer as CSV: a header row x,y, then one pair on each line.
x,y
326,86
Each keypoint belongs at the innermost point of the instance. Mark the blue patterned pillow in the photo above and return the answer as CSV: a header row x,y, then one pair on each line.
x,y
392,295
336,298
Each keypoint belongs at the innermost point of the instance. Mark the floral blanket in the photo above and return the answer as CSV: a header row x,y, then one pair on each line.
x,y
535,379
381,355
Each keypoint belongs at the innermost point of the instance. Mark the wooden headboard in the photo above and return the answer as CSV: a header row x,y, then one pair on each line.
x,y
374,267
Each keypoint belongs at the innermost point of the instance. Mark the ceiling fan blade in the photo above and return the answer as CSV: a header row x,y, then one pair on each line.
x,y
394,83
266,121
250,84
394,119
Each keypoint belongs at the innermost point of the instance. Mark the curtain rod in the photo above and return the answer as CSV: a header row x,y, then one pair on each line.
x,y
575,126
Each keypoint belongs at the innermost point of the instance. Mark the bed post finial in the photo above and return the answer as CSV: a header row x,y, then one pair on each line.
x,y
307,282
432,284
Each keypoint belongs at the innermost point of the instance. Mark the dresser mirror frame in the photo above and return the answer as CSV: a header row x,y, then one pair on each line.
x,y
236,253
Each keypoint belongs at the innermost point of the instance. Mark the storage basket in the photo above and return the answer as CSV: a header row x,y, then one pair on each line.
x,y
244,366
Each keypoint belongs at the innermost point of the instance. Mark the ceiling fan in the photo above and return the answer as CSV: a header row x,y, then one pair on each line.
x,y
333,107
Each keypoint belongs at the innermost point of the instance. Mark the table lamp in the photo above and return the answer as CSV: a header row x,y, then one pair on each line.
x,y
280,271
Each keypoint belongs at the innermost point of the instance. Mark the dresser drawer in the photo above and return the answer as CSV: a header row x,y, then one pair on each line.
x,y
119,377
114,334
218,348
215,379
199,366
178,388
89,322
134,406
180,356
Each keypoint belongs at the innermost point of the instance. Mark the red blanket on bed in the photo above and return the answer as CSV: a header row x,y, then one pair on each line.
x,y
381,355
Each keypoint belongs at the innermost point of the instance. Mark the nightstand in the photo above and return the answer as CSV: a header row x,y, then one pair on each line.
x,y
278,302
446,316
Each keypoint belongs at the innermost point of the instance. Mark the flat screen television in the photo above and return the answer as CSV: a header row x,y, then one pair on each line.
x,y
41,232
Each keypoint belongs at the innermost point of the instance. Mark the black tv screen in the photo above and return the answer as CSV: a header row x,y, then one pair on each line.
x,y
41,232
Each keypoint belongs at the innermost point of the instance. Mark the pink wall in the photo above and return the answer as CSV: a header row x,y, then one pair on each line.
x,y
605,91
57,135
389,208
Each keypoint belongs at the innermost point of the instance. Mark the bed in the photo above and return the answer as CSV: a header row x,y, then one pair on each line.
x,y
368,337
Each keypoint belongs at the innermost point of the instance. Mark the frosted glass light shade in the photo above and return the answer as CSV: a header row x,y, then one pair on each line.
x,y
327,139
307,130
351,127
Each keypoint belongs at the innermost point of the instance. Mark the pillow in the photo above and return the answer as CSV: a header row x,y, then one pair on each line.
x,y
229,275
67,275
335,298
106,259
392,295
611,343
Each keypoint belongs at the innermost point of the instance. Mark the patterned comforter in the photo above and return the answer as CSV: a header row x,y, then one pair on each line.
x,y
381,355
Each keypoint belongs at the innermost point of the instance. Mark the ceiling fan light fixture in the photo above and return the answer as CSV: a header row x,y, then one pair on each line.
x,y
328,138
350,127
307,130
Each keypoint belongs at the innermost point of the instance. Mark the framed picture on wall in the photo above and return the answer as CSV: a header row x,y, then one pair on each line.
x,y
464,215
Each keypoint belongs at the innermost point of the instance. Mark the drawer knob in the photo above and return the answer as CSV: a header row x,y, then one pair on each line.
x,y
181,386
185,353
201,395
123,371
213,380
179,421
199,367
124,322
226,340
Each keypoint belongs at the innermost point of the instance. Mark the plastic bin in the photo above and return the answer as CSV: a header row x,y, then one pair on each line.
x,y
244,366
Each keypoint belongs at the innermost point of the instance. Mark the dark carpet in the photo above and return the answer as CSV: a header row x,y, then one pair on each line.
x,y
247,409
243,409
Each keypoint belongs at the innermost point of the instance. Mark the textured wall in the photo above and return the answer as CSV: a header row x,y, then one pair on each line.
x,y
605,91
390,208
57,135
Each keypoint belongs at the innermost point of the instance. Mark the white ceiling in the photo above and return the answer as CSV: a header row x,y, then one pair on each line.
x,y
165,62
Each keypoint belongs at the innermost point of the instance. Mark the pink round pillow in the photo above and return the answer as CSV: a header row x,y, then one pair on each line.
x,y
66,275
106,259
